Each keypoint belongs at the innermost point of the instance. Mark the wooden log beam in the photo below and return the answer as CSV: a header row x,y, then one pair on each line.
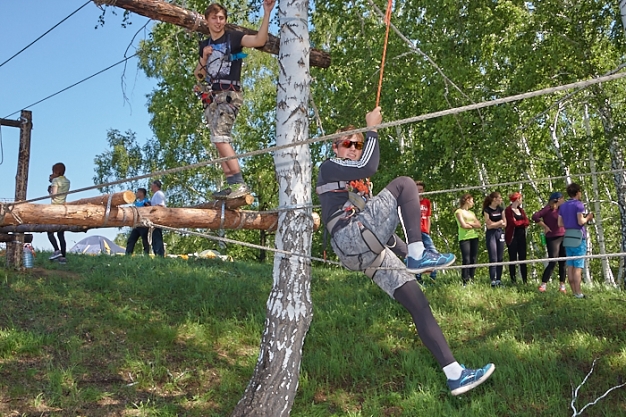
x,y
94,216
42,228
231,203
10,237
194,21
118,199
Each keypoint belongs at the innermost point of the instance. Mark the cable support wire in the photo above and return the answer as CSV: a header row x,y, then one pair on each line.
x,y
428,116
506,184
75,84
313,258
44,34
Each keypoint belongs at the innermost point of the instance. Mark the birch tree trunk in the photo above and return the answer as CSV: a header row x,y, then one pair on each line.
x,y
606,269
272,389
616,150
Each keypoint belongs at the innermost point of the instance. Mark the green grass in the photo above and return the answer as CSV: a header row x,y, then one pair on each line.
x,y
164,337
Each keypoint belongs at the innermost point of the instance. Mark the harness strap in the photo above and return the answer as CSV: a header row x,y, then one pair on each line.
x,y
370,271
231,82
372,241
331,187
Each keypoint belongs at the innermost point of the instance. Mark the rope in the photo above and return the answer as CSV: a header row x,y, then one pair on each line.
x,y
382,62
330,137
506,184
314,258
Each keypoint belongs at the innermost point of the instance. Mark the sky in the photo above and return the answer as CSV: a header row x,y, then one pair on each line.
x,y
70,127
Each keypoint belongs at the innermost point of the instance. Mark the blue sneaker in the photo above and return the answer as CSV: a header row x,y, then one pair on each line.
x,y
429,261
470,379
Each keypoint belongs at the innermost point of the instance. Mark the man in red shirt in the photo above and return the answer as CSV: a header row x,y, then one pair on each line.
x,y
426,209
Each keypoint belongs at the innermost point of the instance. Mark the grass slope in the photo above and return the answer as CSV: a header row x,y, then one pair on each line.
x,y
136,336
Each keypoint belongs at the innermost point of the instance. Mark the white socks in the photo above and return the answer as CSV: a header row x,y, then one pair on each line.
x,y
453,371
416,250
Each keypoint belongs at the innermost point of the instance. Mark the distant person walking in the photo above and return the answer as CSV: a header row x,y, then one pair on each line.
x,y
158,199
548,219
495,221
573,218
515,236
59,185
426,212
139,232
468,225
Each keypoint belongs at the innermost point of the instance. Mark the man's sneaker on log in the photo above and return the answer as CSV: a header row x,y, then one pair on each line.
x,y
238,190
222,194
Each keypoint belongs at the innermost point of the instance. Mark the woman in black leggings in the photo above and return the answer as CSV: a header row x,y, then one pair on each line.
x,y
468,235
547,218
515,236
495,221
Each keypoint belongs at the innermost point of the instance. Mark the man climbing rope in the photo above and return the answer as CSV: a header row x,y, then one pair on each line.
x,y
362,230
219,75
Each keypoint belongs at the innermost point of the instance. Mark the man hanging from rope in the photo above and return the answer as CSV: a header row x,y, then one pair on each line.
x,y
362,231
219,75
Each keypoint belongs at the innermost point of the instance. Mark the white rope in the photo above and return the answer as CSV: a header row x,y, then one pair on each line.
x,y
428,116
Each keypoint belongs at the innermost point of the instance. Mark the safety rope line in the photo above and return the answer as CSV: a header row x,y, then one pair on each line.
x,y
506,184
330,137
314,258
382,62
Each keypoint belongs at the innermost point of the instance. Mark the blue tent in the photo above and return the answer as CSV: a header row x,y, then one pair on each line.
x,y
96,245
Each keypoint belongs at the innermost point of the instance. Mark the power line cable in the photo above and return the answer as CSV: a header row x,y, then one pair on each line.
x,y
45,33
75,84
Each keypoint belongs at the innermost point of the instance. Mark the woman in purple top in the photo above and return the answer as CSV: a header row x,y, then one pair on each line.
x,y
548,219
571,216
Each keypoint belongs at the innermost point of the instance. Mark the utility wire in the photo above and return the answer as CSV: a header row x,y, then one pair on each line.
x,y
75,84
45,33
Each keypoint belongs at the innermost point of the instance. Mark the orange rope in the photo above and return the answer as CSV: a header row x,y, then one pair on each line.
x,y
382,63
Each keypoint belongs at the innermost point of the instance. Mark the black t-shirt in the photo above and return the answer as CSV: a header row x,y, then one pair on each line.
x,y
495,215
219,65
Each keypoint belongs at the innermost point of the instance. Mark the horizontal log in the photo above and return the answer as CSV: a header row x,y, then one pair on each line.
x,y
9,237
42,228
94,216
118,199
171,13
231,203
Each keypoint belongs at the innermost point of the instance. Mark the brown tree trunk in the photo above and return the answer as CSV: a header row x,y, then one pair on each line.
x,y
194,21
94,216
117,199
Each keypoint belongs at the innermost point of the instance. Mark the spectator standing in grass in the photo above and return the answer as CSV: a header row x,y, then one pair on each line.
x,y
59,185
515,236
468,225
494,238
548,219
141,200
573,217
362,228
426,210
158,199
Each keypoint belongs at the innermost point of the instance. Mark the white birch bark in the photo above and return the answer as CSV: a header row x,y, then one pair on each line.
x,y
606,270
272,389
622,11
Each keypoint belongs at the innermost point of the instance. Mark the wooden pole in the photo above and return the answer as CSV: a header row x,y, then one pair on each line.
x,y
94,216
10,237
194,21
117,199
42,228
15,247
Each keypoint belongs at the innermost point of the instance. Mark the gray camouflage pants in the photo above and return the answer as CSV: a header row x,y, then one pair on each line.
x,y
380,216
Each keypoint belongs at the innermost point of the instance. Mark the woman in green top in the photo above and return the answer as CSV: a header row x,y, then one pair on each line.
x,y
468,235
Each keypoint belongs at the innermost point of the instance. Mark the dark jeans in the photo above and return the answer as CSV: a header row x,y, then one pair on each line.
x,y
555,250
53,241
157,242
428,245
469,255
517,251
135,234
495,249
